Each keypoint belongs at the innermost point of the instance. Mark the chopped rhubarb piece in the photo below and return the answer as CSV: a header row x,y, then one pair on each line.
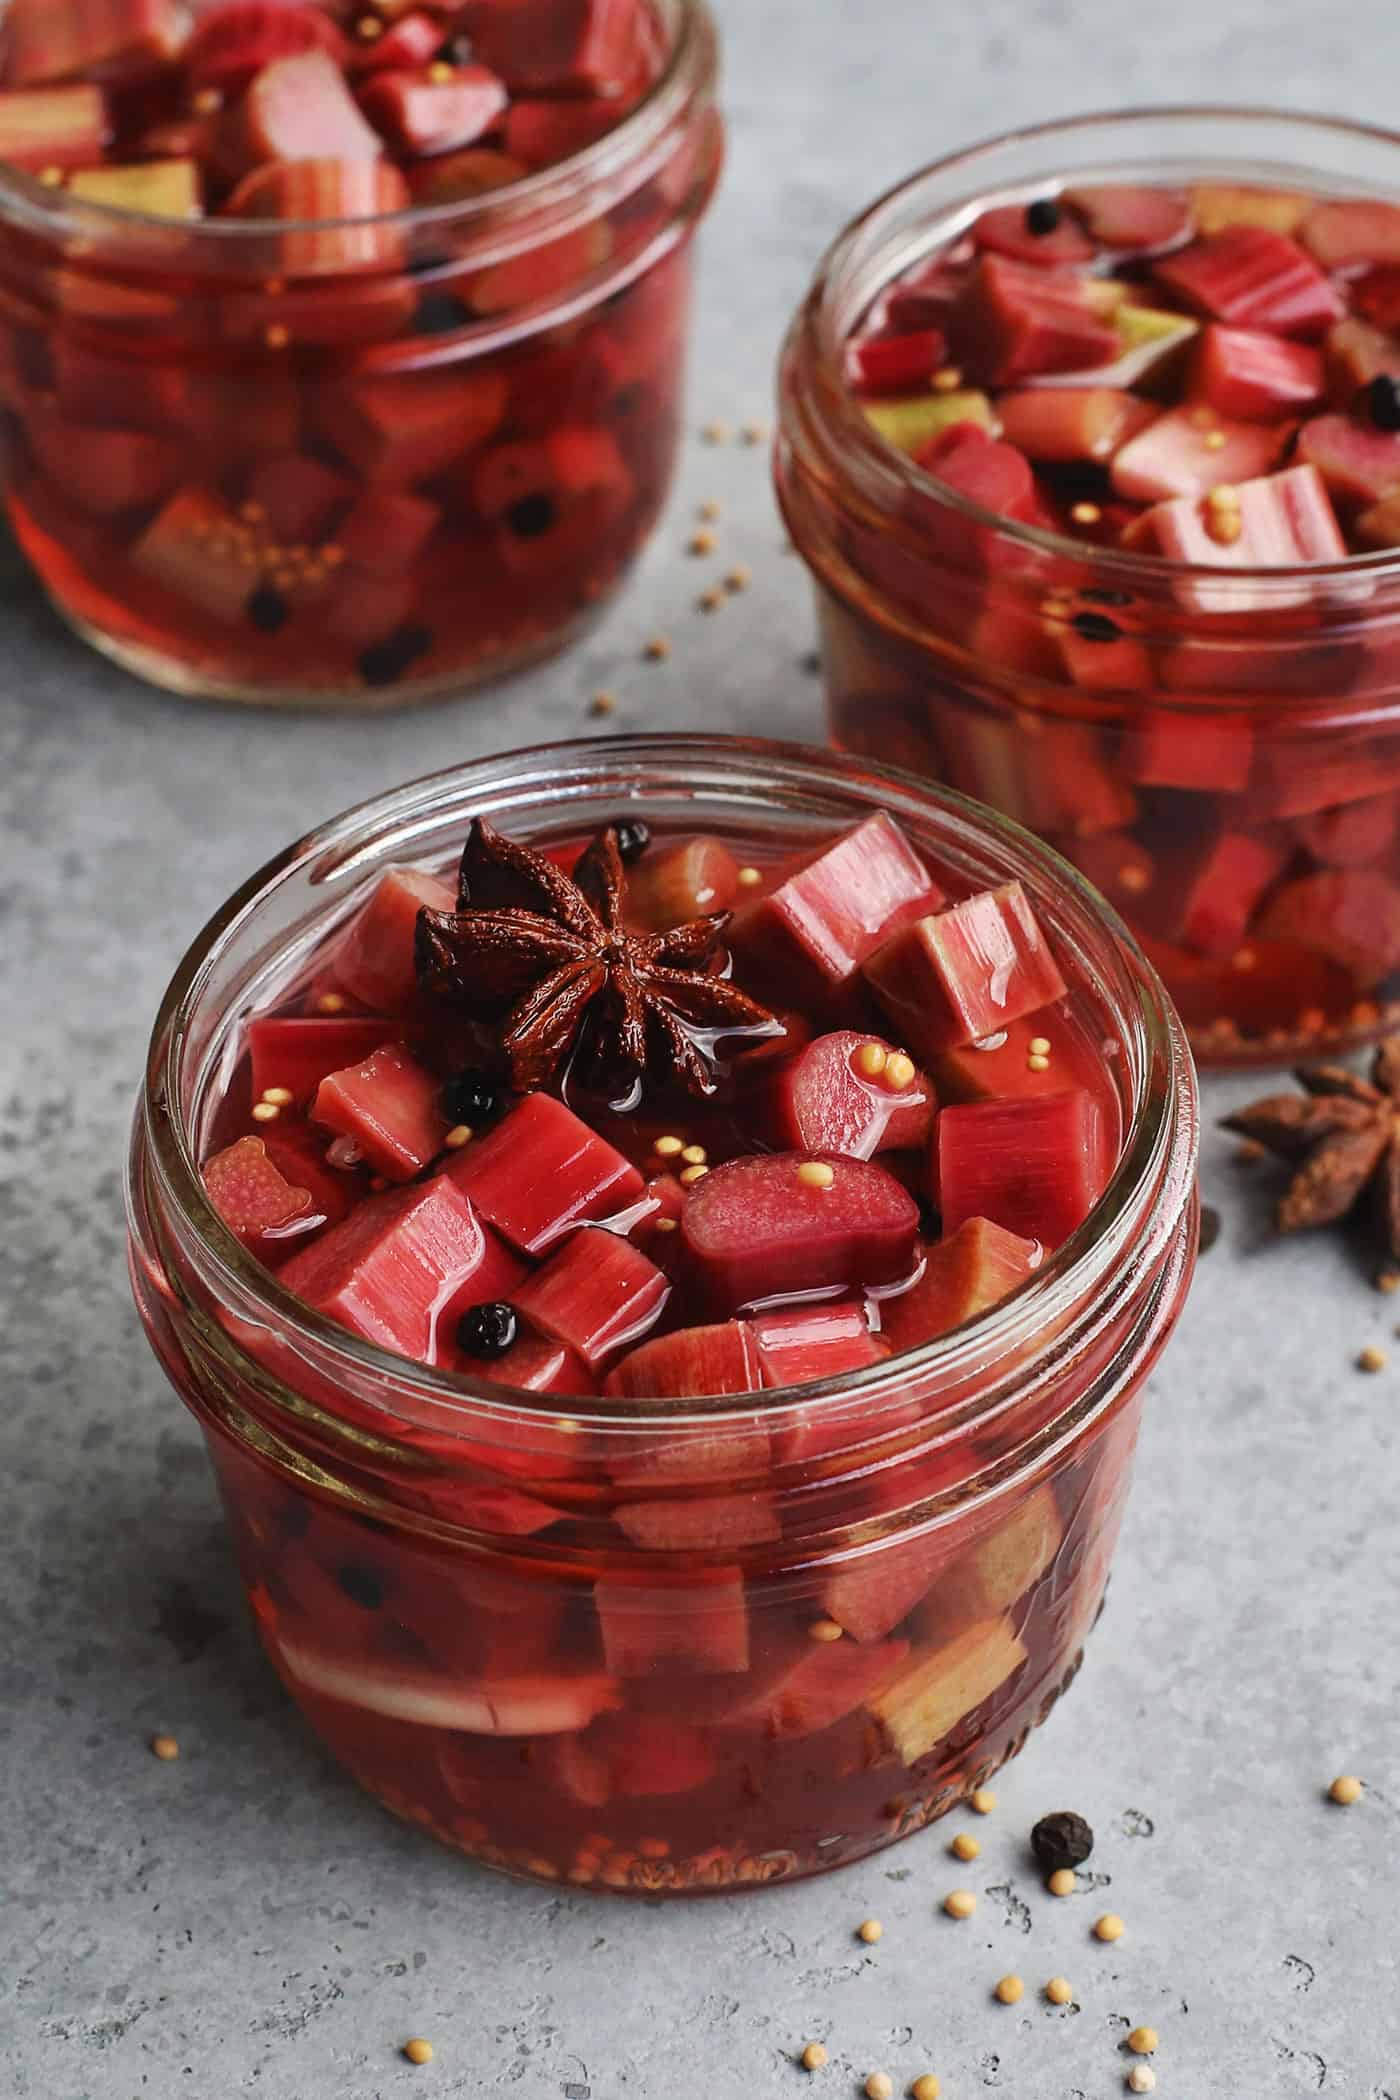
x,y
331,188
415,427
1356,354
55,39
1219,205
542,1171
1380,525
692,1362
410,41
1254,377
1376,296
1349,916
535,1365
999,1067
964,1275
541,45
1352,230
675,884
374,958
419,113
824,1101
54,128
1063,424
538,133
632,1755
234,41
816,928
474,172
1250,277
388,529
988,1577
527,1706
1198,747
302,109
596,1294
891,364
187,549
937,1691
1358,835
875,1591
105,472
1359,463
1179,455
250,1193
758,1228
1040,233
799,1344
698,1623
541,273
824,1683
298,497
1036,1167
994,475
1013,322
1097,653
1131,215
299,1054
388,1108
1285,520
962,974
912,424
162,189
701,1524
392,1269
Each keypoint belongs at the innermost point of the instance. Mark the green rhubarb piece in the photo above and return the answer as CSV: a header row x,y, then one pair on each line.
x,y
162,189
908,424
1140,327
926,1698
1000,1567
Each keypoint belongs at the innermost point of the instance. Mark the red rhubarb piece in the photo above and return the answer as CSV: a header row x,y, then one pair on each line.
x,y
1285,520
825,1682
1222,899
1253,377
388,529
419,113
104,472
250,1193
1252,277
388,1108
1041,234
688,880
1131,215
812,933
394,1267
541,45
298,497
697,1623
692,1362
373,960
112,39
63,127
1376,296
542,1171
538,133
1348,916
629,1755
597,1294
178,552
756,1228
823,1100
233,42
999,1068
963,1276
1013,322
298,1151
414,427
1177,455
894,364
1199,748
1359,463
329,186
1352,230
411,41
876,1591
299,1054
798,1344
1357,353
301,109
1358,835
701,1524
1036,1167
1067,423
962,974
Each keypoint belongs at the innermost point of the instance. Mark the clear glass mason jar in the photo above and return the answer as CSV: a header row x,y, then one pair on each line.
x,y
1233,729
565,1704
357,463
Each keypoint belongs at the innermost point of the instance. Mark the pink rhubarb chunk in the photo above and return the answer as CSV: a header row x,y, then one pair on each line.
x,y
542,1171
1174,455
595,1294
232,42
374,958
302,109
826,1681
1202,748
1349,916
1286,520
960,975
543,46
249,1191
964,1275
1252,277
695,1624
1131,215
799,1344
1014,322
875,1591
1067,423
1036,1167
1008,230
1360,464
1353,230
418,113
299,1054
55,39
754,1229
821,1101
388,1108
894,364
694,1361
815,930
1222,899
1254,377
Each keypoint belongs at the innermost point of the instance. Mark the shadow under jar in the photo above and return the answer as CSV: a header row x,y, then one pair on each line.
x,y
359,461
1216,747
534,1686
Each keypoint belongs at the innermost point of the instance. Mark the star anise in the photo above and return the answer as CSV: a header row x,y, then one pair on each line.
x,y
1343,1134
549,957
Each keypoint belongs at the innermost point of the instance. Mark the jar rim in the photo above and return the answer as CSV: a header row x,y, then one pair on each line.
x,y
1130,1226
817,325
691,54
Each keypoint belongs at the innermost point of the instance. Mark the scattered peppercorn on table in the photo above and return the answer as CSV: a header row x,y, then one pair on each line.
x,y
198,1905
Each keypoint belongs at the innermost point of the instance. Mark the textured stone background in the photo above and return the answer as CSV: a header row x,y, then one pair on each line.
x,y
242,1921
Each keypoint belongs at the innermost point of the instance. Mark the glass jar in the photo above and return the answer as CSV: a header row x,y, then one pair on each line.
x,y
357,462
1191,738
548,1697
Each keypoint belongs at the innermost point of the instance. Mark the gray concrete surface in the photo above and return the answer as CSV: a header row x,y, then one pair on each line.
x,y
243,1922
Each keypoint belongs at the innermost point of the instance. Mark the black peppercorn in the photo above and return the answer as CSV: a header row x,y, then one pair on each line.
x,y
361,1585
469,1097
532,517
267,609
488,1330
388,660
633,838
1061,1840
1096,627
1382,398
1043,216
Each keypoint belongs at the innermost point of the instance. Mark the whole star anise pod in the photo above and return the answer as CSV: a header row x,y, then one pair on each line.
x,y
1343,1133
549,957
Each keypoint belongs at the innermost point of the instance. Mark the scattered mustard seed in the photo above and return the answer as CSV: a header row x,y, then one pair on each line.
x,y
871,1059
1037,1064
657,649
701,543
440,73
1345,1790
738,579
947,380
666,1225
715,433
266,1112
695,1155
754,433
926,2088
1372,1358
1142,2041
879,2086
1215,441
1388,1282
1142,2079
368,30
749,878
1109,1926
668,1147
207,103
460,1134
825,1630
1086,513
417,2050
1039,1046
1062,1882
1058,1990
960,1904
51,178
277,335
331,1003
1010,1991
814,2056
602,704
899,1074
983,1801
690,1175
710,601
813,1174
166,1748
872,1931
709,512
279,1096
965,1846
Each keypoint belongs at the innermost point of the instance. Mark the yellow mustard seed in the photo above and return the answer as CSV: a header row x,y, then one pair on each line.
x,y
879,2086
754,433
666,1225
331,1003
1039,1046
277,335
983,1801
602,704
1037,1064
749,878
825,1630
460,1134
871,1931
657,649
695,1155
1058,1990
266,1112
368,30
702,543
961,1903
1215,441
1109,1927
814,2056
207,103
1086,513
708,512
440,73
871,1059
1345,1790
710,601
417,2050
1371,1359
1142,2041
738,579
51,178
715,433
1010,1991
166,1748
1062,1882
690,1175
279,1096
965,1846
1142,2079
668,1147
899,1072
947,380
814,1174
925,2088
